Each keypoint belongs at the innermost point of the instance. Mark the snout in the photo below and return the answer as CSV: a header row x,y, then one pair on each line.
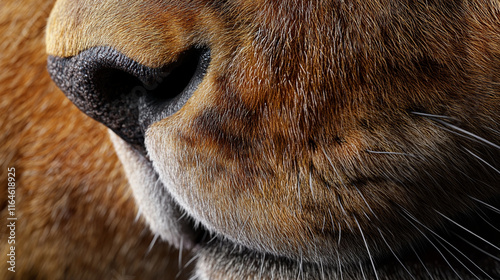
x,y
125,95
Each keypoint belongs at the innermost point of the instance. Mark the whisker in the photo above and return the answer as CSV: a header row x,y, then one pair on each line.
x,y
340,265
421,262
361,269
331,218
367,249
138,216
432,116
335,170
467,230
262,262
427,238
182,216
152,243
322,270
468,134
390,153
497,132
341,206
181,271
483,161
311,185
397,258
453,255
323,227
477,248
458,131
487,222
456,249
340,234
363,197
491,207
212,239
193,258
180,253
301,267
298,191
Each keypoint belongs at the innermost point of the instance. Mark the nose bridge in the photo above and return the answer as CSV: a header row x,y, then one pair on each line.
x,y
143,31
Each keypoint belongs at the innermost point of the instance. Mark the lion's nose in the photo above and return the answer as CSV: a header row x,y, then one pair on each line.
x,y
124,95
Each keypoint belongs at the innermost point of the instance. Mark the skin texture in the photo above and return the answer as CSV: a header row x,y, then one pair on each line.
x,y
326,137
73,203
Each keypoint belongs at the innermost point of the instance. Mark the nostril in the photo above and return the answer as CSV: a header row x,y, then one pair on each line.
x,y
123,94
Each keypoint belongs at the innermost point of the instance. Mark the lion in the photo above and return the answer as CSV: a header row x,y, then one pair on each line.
x,y
299,139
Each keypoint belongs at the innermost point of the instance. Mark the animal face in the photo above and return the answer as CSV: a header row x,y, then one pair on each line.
x,y
315,136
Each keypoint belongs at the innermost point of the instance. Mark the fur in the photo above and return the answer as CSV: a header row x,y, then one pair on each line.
x,y
76,214
327,138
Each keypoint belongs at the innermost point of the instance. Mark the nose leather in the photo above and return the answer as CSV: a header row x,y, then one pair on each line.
x,y
123,94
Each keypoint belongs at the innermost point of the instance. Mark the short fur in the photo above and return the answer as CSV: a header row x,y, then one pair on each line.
x,y
325,137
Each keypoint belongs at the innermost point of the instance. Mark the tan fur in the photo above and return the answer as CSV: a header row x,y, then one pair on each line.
x,y
306,140
75,214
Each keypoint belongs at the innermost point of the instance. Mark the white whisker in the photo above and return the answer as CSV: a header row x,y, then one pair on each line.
x,y
432,116
488,223
390,153
363,197
421,262
497,132
212,239
322,270
298,191
456,249
340,265
468,134
361,269
261,270
323,227
301,267
477,248
335,170
483,161
467,230
491,207
181,271
453,255
193,258
138,216
182,216
311,185
367,249
181,246
331,218
427,238
397,258
457,130
340,234
341,206
152,243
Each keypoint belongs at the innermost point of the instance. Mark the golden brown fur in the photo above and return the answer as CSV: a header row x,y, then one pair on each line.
x,y
75,214
325,138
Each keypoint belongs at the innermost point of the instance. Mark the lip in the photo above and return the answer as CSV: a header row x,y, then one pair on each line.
x,y
193,233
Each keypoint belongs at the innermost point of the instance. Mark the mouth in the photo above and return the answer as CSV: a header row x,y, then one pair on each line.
x,y
128,98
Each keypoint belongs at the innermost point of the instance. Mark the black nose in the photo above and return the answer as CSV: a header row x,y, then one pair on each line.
x,y
124,95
